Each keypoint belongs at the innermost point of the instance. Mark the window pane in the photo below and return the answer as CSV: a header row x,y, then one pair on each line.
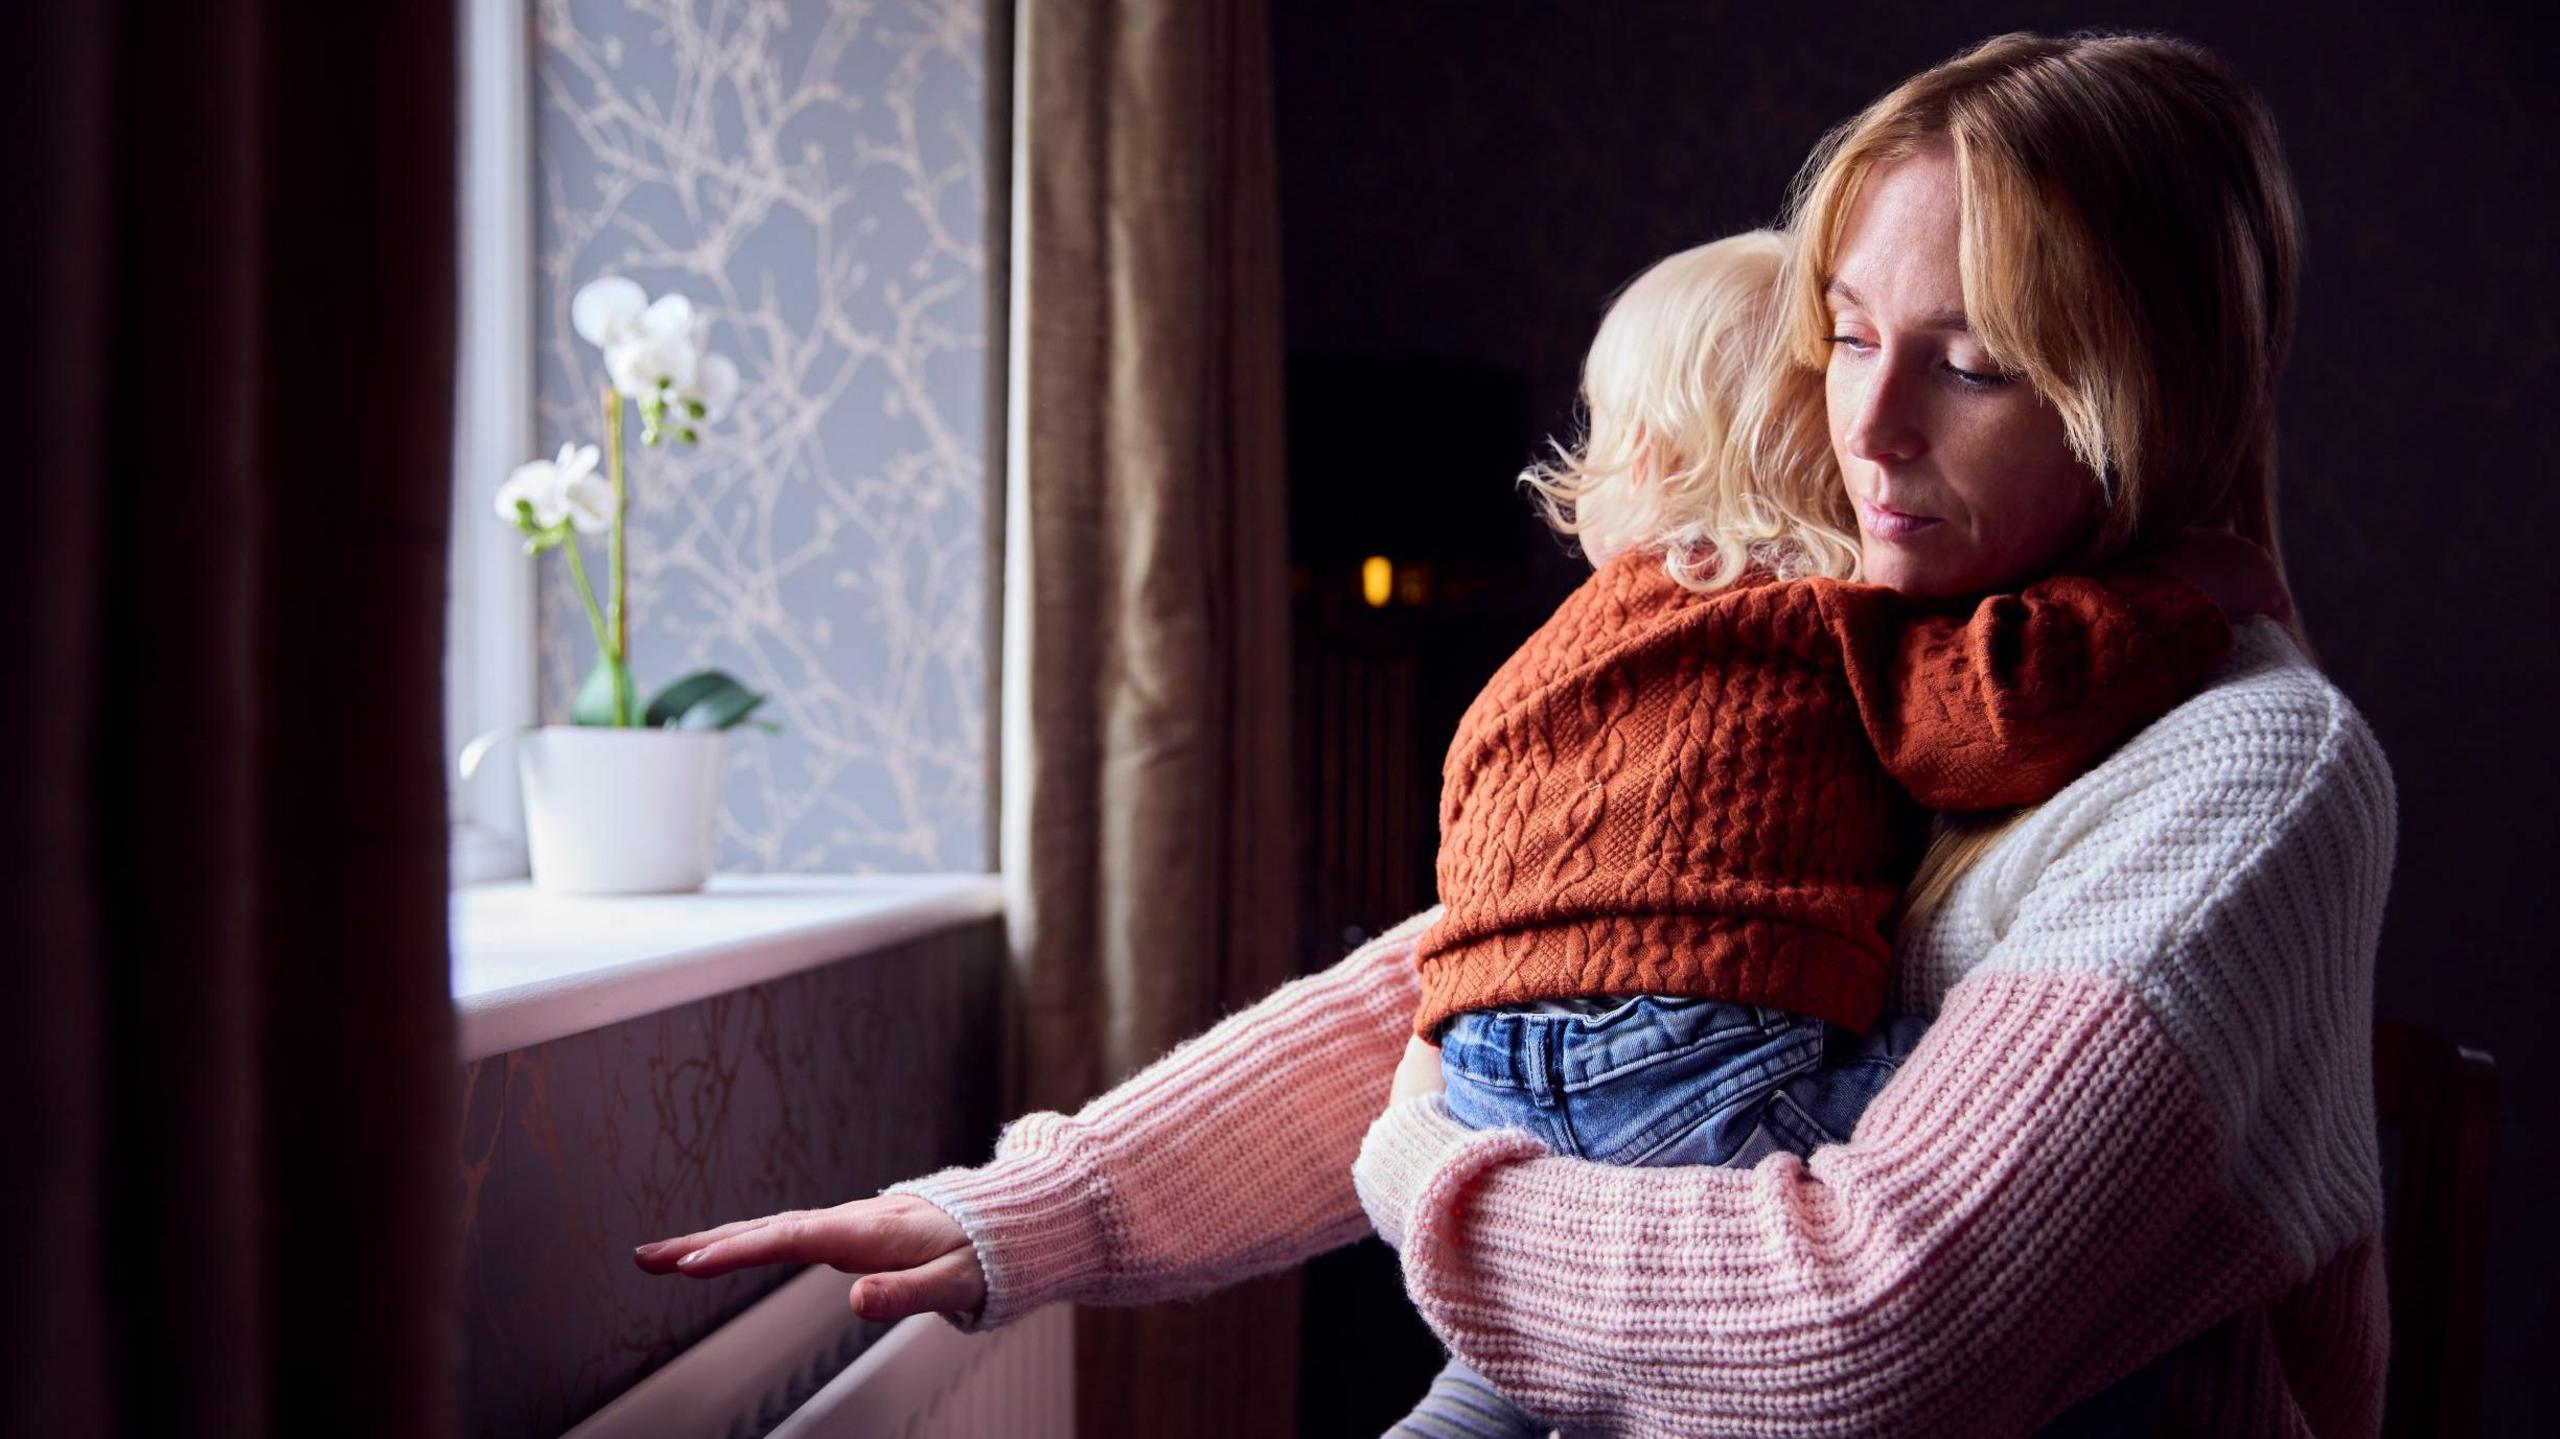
x,y
817,189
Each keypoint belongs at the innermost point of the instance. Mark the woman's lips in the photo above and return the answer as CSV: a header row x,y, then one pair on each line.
x,y
1887,524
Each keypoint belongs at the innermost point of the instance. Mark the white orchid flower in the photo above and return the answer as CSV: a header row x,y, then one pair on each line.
x,y
604,311
656,350
566,487
584,493
719,386
536,483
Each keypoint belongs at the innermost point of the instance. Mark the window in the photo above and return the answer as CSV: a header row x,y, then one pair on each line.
x,y
489,648
812,176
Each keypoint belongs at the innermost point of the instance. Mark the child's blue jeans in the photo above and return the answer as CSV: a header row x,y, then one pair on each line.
x,y
1662,1080
1655,1081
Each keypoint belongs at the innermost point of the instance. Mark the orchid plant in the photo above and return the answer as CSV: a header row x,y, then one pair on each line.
x,y
654,358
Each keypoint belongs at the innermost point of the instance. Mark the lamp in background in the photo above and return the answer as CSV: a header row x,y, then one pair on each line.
x,y
1377,581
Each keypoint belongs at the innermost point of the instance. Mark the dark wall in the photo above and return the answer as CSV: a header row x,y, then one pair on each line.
x,y
1474,180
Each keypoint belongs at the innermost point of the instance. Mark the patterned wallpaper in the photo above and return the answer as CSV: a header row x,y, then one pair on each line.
x,y
810,172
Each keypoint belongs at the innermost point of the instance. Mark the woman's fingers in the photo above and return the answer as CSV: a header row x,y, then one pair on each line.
x,y
952,1284
913,1257
866,1236
1418,1072
660,1257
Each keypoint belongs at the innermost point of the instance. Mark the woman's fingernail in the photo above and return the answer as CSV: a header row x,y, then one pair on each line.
x,y
643,1249
688,1259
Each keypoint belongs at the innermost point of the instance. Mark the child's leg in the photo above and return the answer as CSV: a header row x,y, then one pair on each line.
x,y
1821,1105
1653,1082
1495,1071
1462,1405
1604,1086
1663,1081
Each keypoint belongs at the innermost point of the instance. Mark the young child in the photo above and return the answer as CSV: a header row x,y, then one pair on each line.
x,y
1675,824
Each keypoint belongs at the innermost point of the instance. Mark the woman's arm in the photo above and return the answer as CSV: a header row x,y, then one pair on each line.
x,y
1226,1158
2033,1201
2146,1112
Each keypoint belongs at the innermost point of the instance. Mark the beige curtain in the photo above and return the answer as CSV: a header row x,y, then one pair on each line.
x,y
1145,826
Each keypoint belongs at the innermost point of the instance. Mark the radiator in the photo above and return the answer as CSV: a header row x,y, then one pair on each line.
x,y
779,1371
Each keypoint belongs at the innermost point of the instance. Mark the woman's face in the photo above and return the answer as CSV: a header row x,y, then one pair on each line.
x,y
1962,477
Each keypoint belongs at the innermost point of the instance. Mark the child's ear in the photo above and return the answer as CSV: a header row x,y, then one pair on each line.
x,y
1642,453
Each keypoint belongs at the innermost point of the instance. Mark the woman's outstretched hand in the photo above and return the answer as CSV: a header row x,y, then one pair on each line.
x,y
912,1257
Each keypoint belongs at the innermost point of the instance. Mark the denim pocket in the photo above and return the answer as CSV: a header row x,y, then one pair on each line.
x,y
1855,1068
1491,1076
1678,1073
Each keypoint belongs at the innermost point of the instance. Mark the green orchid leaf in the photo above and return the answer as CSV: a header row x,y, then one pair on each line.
x,y
597,702
722,710
682,694
705,699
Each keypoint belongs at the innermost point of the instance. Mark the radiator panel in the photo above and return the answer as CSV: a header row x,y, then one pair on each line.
x,y
779,1371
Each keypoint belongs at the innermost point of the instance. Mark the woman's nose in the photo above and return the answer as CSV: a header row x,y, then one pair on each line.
x,y
1885,424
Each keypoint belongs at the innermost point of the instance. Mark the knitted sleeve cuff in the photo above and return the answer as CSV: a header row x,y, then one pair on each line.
x,y
1033,1214
1417,1154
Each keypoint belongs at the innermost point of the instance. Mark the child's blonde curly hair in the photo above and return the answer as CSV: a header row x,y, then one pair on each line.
x,y
1667,393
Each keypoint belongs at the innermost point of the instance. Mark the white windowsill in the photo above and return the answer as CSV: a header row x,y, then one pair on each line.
x,y
530,967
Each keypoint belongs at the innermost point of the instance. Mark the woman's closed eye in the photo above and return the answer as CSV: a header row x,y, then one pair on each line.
x,y
1979,379
1969,379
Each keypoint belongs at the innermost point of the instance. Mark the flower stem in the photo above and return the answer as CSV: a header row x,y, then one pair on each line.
x,y
620,613
578,572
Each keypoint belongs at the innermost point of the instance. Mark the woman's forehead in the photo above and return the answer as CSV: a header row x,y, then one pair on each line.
x,y
1898,249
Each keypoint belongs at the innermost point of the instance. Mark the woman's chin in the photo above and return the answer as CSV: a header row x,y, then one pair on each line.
x,y
1908,568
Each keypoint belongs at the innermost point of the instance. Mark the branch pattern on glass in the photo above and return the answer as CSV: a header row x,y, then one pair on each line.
x,y
810,175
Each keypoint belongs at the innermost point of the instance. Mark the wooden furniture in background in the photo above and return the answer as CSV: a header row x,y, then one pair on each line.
x,y
2437,1105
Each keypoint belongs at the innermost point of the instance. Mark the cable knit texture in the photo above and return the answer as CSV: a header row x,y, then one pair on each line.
x,y
2141,1124
1721,794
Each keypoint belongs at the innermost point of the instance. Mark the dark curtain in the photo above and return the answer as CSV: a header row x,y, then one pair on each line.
x,y
230,1043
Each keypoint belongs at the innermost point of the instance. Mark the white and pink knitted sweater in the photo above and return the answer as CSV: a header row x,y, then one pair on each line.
x,y
2141,1122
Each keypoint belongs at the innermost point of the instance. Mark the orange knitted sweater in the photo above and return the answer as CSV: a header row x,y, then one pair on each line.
x,y
1723,794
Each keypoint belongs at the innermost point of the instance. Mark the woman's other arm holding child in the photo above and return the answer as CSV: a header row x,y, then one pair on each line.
x,y
1228,1157
2095,1154
2004,704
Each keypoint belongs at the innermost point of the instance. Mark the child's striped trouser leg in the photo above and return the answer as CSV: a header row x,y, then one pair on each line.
x,y
1462,1405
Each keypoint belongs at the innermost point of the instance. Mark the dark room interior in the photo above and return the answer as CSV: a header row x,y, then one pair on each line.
x,y
1465,186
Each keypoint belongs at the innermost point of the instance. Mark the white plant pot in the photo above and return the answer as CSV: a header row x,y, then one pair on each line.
x,y
620,811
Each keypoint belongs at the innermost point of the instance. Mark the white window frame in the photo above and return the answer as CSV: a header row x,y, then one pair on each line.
x,y
490,674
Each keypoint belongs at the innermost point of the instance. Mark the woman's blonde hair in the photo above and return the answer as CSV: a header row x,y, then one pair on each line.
x,y
2129,240
1657,464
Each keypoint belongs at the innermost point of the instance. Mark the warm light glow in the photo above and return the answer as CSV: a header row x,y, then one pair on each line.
x,y
1377,581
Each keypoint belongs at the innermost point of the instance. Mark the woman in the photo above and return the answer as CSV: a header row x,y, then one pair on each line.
x,y
2042,300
